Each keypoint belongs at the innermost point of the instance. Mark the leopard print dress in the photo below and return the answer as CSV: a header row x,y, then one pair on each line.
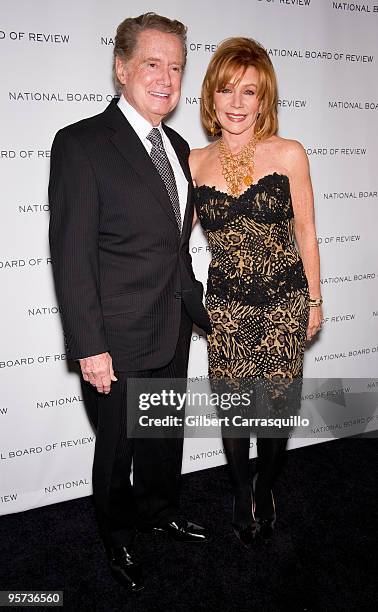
x,y
257,292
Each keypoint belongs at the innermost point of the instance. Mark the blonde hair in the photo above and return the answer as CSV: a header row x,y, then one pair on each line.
x,y
232,56
126,39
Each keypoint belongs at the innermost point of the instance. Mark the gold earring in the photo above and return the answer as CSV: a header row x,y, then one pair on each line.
x,y
212,128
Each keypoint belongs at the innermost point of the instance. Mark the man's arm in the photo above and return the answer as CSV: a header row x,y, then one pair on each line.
x,y
74,226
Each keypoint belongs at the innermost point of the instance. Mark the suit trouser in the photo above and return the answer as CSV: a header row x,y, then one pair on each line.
x,y
153,498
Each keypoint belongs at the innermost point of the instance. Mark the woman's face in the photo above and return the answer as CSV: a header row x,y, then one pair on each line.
x,y
236,105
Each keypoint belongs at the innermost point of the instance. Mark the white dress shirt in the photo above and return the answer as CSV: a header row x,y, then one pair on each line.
x,y
142,127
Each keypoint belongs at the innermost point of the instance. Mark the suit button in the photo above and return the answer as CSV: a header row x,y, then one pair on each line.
x,y
178,295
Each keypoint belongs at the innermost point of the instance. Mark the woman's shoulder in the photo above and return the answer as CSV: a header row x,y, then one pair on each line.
x,y
290,151
286,145
203,151
199,156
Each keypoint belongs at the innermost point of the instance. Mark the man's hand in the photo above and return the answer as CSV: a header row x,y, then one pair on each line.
x,y
98,371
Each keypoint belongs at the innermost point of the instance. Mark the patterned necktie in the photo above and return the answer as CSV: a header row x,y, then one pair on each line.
x,y
160,159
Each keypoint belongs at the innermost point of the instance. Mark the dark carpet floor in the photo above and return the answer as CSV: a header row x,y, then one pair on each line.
x,y
322,557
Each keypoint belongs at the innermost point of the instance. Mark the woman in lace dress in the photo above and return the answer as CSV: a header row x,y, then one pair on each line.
x,y
254,199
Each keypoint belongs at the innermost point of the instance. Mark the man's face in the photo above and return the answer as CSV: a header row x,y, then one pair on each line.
x,y
151,79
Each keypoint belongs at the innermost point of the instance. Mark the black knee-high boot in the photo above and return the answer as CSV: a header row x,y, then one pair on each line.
x,y
237,454
271,457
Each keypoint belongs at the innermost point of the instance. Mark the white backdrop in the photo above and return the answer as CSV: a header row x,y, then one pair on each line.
x,y
56,69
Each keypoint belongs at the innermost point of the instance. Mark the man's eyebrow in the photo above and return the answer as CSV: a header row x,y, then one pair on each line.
x,y
158,59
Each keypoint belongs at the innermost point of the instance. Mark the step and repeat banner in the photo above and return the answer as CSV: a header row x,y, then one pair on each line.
x,y
56,62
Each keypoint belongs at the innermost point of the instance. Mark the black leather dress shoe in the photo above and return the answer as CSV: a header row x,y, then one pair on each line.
x,y
125,569
181,530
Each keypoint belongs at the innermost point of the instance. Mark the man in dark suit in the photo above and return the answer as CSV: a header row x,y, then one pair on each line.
x,y
121,215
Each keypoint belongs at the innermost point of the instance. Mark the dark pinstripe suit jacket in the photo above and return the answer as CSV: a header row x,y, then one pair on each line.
x,y
120,265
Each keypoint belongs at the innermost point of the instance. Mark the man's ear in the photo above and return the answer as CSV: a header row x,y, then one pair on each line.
x,y
120,69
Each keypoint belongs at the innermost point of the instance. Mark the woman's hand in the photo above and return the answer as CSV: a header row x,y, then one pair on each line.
x,y
314,321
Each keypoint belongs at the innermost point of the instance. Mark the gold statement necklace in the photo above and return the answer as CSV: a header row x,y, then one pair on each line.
x,y
238,168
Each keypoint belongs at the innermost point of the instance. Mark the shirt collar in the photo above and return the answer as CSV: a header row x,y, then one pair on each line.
x,y
139,124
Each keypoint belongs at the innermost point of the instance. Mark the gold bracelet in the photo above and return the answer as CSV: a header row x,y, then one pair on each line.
x,y
315,302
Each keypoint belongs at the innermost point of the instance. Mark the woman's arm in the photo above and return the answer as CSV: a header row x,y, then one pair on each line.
x,y
193,164
195,218
304,223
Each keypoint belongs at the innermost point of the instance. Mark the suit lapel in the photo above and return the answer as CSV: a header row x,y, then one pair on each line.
x,y
131,148
188,217
183,159
181,155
